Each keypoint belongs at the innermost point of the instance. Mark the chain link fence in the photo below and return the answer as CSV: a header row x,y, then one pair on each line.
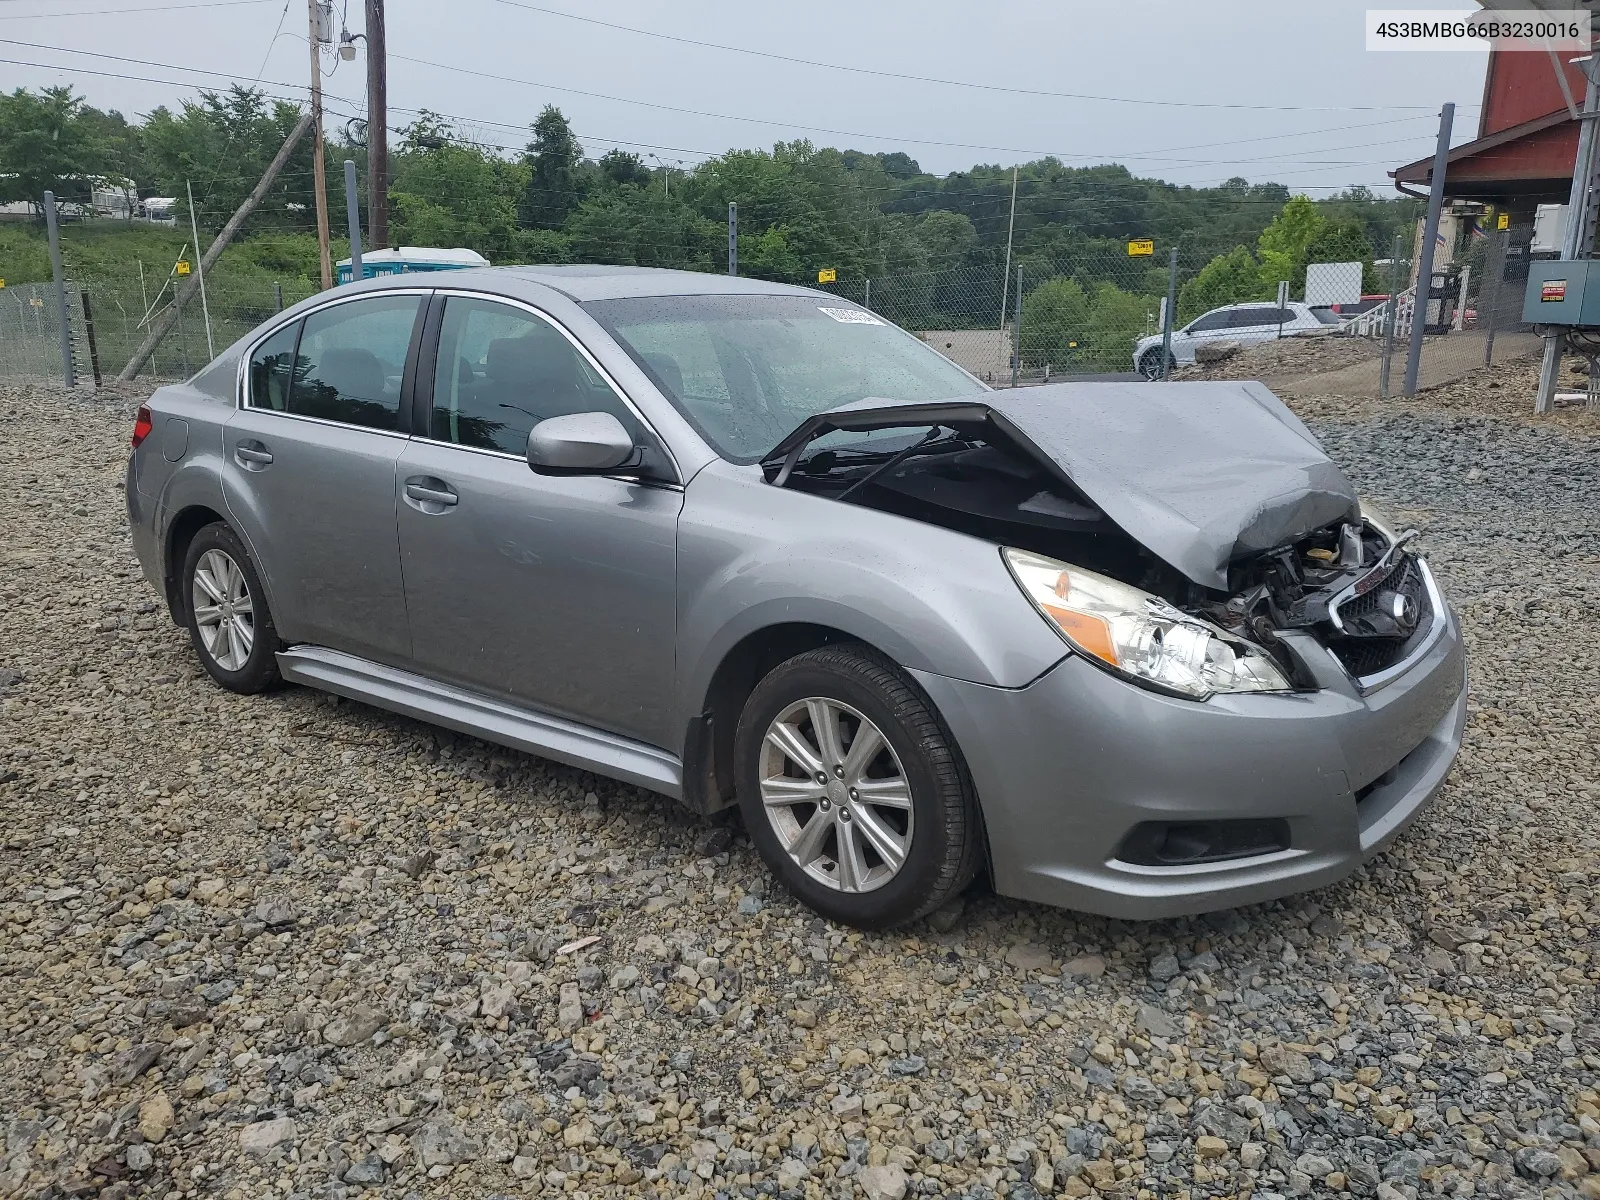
x,y
1087,315
1033,320
109,316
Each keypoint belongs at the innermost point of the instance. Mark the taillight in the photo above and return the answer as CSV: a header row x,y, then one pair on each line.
x,y
142,425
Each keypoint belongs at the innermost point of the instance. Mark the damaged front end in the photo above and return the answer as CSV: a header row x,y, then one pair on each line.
x,y
1181,565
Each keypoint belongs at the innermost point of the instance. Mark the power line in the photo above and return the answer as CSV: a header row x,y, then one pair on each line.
x,y
987,87
107,12
877,137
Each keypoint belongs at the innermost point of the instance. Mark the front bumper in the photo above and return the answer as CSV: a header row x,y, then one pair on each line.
x,y
1067,767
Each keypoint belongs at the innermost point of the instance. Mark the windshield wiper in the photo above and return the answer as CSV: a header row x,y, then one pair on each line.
x,y
932,438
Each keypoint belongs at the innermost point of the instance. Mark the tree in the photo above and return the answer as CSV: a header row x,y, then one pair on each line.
x,y
1116,320
1283,244
1055,315
1344,241
946,238
620,169
46,143
552,158
222,145
1227,279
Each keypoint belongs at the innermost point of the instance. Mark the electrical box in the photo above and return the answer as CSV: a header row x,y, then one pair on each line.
x,y
1563,292
1549,228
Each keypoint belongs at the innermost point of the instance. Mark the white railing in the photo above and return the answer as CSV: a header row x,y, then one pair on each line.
x,y
1371,323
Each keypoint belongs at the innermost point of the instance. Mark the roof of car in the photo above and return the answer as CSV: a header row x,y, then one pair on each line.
x,y
584,282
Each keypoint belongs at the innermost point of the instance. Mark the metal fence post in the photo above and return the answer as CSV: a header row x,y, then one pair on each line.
x,y
1494,266
733,238
1171,315
1016,334
353,209
67,372
867,300
1430,233
88,329
1392,321
277,292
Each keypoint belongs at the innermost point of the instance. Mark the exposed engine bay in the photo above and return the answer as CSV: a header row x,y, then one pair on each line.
x,y
1348,582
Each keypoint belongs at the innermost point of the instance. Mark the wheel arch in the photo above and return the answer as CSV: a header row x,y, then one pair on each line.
x,y
180,532
708,774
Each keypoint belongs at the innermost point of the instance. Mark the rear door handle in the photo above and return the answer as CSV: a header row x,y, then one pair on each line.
x,y
431,491
252,454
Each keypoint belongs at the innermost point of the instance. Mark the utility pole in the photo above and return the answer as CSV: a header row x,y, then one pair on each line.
x,y
319,174
353,208
377,129
733,238
1011,228
1579,202
1430,234
68,375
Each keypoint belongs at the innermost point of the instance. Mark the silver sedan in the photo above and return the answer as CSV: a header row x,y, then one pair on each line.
x,y
1135,649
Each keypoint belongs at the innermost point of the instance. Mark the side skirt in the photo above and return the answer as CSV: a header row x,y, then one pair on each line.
x,y
493,720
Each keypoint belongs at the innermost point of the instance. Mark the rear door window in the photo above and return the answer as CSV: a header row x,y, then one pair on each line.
x,y
351,359
272,369
1212,320
1255,318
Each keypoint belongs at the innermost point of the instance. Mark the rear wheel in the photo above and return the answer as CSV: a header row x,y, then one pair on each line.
x,y
852,789
226,611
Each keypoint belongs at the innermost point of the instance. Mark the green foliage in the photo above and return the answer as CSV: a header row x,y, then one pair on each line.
x,y
222,145
934,248
1343,241
46,143
1117,321
553,157
1227,279
1054,315
1283,245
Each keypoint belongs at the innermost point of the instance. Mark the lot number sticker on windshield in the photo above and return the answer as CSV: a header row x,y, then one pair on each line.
x,y
850,316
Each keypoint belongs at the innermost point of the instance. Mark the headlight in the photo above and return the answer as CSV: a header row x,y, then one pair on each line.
x,y
1140,635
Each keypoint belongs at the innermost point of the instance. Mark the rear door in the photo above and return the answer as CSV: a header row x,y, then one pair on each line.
x,y
310,471
1260,322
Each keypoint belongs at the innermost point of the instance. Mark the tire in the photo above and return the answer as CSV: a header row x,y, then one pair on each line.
x,y
918,804
1150,364
239,647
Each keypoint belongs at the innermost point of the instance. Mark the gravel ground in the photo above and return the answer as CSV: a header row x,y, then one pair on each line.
x,y
283,945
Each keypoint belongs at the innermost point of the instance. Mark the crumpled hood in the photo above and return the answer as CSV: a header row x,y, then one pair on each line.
x,y
1198,473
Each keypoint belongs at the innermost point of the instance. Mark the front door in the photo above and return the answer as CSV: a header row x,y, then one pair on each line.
x,y
310,473
556,592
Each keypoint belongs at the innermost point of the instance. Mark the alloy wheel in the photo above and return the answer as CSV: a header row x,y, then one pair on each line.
x,y
835,794
224,612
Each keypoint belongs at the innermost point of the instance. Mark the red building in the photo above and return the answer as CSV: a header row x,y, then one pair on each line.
x,y
1527,140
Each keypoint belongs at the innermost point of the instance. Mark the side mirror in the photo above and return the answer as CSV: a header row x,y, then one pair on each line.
x,y
579,443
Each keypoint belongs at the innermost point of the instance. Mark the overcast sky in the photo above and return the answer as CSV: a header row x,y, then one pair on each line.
x,y
1298,69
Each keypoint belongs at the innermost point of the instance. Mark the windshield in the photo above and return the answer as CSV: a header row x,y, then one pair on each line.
x,y
746,370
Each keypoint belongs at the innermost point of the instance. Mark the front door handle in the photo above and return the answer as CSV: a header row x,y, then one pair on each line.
x,y
252,455
430,495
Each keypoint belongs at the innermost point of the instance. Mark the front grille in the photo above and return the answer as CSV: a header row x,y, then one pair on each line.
x,y
1363,656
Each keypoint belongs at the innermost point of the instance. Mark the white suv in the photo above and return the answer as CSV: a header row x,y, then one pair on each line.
x,y
1254,321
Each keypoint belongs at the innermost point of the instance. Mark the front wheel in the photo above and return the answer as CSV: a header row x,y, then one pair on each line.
x,y
852,789
1150,363
229,624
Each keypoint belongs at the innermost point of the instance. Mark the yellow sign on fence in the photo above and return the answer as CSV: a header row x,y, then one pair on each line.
x,y
1141,248
1503,221
827,275
182,268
